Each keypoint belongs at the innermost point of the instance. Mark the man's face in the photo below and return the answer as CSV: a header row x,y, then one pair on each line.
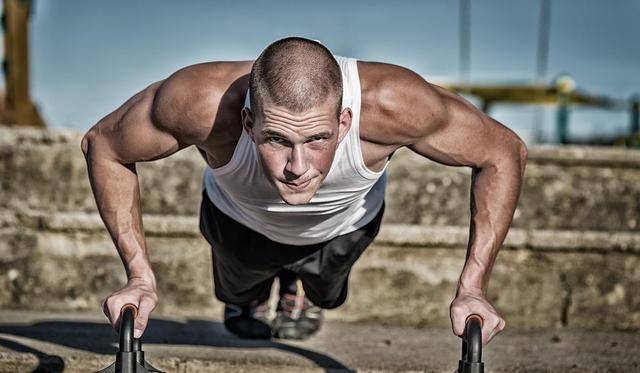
x,y
297,149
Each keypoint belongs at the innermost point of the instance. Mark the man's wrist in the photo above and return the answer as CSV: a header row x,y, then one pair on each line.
x,y
472,280
142,272
472,289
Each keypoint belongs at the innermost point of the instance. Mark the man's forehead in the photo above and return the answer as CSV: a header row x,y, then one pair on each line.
x,y
288,122
280,113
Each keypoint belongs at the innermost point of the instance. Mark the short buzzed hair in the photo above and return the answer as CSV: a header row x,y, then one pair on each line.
x,y
295,73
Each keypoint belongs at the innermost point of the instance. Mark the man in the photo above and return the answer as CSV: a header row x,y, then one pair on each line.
x,y
297,143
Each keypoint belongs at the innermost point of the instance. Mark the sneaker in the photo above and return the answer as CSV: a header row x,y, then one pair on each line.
x,y
296,316
248,321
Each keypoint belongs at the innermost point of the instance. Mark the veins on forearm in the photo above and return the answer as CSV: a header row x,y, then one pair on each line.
x,y
494,194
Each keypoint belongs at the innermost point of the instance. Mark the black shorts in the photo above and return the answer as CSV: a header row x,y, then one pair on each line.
x,y
245,262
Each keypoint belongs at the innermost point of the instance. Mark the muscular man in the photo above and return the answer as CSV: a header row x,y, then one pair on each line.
x,y
297,143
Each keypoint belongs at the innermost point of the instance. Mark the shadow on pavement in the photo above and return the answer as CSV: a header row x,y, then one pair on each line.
x,y
100,338
46,362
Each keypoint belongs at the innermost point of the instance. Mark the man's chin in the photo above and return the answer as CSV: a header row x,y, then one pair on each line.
x,y
296,198
291,197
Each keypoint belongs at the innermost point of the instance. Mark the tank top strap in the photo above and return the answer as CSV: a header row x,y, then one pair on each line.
x,y
353,98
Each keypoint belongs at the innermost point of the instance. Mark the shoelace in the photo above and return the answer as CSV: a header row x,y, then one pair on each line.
x,y
259,310
293,305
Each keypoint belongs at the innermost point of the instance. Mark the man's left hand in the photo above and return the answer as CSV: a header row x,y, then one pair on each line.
x,y
466,304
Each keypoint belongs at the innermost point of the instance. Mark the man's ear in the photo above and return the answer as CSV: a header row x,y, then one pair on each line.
x,y
346,116
248,121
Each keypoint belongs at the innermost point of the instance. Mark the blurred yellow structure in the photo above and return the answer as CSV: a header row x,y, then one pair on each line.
x,y
19,109
562,93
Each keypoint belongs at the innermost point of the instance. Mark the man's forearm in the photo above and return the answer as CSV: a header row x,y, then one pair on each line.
x,y
117,194
494,197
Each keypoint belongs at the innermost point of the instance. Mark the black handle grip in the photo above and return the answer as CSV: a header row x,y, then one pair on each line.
x,y
126,361
128,313
473,337
471,361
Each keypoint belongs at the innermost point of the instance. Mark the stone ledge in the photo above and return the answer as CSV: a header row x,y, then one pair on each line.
x,y
154,225
537,239
390,234
534,288
560,154
565,188
573,155
18,136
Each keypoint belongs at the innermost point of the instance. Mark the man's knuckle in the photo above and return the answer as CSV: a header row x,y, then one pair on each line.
x,y
142,318
149,298
109,302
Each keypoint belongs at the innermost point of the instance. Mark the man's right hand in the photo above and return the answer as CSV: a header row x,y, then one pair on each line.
x,y
139,292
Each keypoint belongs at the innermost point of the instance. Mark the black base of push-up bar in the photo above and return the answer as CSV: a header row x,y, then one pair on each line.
x,y
130,357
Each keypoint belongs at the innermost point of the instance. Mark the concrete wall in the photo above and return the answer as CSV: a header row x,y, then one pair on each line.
x,y
565,188
571,258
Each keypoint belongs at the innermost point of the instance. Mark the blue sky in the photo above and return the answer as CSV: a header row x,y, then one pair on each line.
x,y
90,56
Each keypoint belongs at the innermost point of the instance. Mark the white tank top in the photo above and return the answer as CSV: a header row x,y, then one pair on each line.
x,y
348,198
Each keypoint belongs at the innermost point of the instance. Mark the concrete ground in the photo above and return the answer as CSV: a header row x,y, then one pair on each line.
x,y
65,342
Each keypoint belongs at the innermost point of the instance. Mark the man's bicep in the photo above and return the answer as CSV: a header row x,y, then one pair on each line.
x,y
131,133
464,135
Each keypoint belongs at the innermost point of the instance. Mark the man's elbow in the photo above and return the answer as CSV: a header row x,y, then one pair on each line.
x,y
523,154
86,143
513,153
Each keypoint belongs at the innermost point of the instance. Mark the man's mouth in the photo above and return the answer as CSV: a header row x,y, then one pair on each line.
x,y
299,185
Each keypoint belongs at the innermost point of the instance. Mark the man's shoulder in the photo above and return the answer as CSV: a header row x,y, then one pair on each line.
x,y
192,98
397,103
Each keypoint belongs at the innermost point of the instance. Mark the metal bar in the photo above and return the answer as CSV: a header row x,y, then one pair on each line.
x,y
465,39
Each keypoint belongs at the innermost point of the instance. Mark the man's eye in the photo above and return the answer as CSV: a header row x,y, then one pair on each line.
x,y
277,140
317,138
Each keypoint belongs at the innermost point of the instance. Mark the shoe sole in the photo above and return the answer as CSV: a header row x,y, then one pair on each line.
x,y
291,330
253,329
292,333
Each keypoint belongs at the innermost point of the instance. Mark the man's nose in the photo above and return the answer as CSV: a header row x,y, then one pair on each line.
x,y
297,164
